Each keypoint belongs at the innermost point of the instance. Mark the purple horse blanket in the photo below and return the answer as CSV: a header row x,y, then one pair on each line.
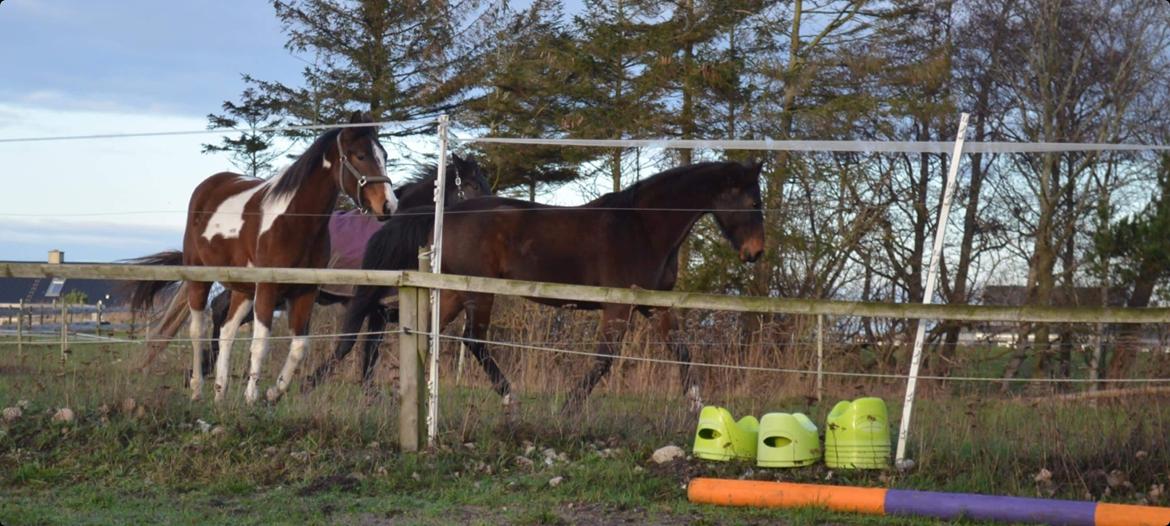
x,y
348,233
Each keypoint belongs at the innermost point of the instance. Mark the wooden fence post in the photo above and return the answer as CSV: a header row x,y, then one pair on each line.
x,y
413,315
423,339
820,356
408,369
64,330
20,330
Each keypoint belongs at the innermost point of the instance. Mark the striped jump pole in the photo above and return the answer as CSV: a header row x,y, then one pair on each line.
x,y
927,504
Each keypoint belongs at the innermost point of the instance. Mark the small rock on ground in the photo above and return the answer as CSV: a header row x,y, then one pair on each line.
x,y
668,454
64,415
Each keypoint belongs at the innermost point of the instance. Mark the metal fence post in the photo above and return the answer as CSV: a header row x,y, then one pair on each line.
x,y
940,232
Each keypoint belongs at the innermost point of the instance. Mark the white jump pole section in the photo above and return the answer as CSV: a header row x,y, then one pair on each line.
x,y
940,233
436,267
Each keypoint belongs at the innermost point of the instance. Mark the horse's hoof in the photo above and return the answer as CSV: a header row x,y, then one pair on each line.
x,y
251,394
273,394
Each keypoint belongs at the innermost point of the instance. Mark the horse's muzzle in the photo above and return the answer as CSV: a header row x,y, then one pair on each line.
x,y
388,209
751,250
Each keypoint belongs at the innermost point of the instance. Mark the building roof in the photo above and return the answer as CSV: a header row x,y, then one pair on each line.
x,y
32,290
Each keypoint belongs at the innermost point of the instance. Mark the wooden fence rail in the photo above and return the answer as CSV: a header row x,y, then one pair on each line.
x,y
672,299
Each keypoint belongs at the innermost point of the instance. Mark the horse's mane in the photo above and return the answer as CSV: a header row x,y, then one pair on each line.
x,y
309,161
625,197
426,173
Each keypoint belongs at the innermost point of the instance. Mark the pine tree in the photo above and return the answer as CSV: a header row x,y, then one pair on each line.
x,y
524,81
253,150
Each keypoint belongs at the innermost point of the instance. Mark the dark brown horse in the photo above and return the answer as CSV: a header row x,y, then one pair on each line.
x,y
235,220
622,239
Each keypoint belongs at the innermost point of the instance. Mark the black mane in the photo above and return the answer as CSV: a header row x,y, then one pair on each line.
x,y
624,198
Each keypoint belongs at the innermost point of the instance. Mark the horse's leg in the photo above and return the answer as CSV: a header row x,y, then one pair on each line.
x,y
614,321
239,307
300,311
364,301
375,324
220,305
475,330
667,324
265,303
479,319
196,303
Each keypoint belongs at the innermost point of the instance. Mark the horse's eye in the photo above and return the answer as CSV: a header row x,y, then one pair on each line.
x,y
361,157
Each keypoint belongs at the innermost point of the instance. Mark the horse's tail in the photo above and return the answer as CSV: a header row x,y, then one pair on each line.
x,y
143,292
166,325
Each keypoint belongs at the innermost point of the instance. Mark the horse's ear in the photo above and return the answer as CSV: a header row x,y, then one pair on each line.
x,y
458,160
757,165
356,117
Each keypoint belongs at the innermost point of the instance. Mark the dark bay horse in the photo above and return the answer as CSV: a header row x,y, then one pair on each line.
x,y
629,238
349,231
235,220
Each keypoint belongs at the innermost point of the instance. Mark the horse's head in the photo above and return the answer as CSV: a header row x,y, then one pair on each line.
x,y
472,181
362,174
739,210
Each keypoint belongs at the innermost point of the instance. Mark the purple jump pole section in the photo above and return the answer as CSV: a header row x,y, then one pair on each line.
x,y
990,508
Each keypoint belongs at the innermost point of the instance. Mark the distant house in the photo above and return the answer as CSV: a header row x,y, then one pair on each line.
x,y
32,290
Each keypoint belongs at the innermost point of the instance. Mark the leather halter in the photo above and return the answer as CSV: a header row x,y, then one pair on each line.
x,y
362,180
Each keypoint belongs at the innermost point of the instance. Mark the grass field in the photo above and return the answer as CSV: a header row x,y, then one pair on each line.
x,y
139,452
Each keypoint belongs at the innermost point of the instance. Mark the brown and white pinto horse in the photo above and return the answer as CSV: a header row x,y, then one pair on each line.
x,y
235,220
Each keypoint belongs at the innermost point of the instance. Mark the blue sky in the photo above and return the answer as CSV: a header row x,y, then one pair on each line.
x,y
80,66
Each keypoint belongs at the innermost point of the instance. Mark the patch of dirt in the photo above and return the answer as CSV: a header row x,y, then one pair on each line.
x,y
332,482
565,514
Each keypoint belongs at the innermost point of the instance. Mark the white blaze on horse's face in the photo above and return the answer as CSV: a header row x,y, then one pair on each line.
x,y
391,199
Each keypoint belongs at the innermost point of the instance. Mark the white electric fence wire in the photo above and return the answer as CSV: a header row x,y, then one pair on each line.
x,y
53,339
216,131
783,370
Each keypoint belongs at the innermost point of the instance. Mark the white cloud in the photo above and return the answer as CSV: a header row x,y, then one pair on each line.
x,y
105,190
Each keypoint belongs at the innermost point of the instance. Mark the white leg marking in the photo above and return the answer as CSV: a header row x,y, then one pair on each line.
x,y
296,352
259,351
227,336
196,334
695,401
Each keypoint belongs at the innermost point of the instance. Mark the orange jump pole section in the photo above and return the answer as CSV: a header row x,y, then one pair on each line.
x,y
939,505
786,495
